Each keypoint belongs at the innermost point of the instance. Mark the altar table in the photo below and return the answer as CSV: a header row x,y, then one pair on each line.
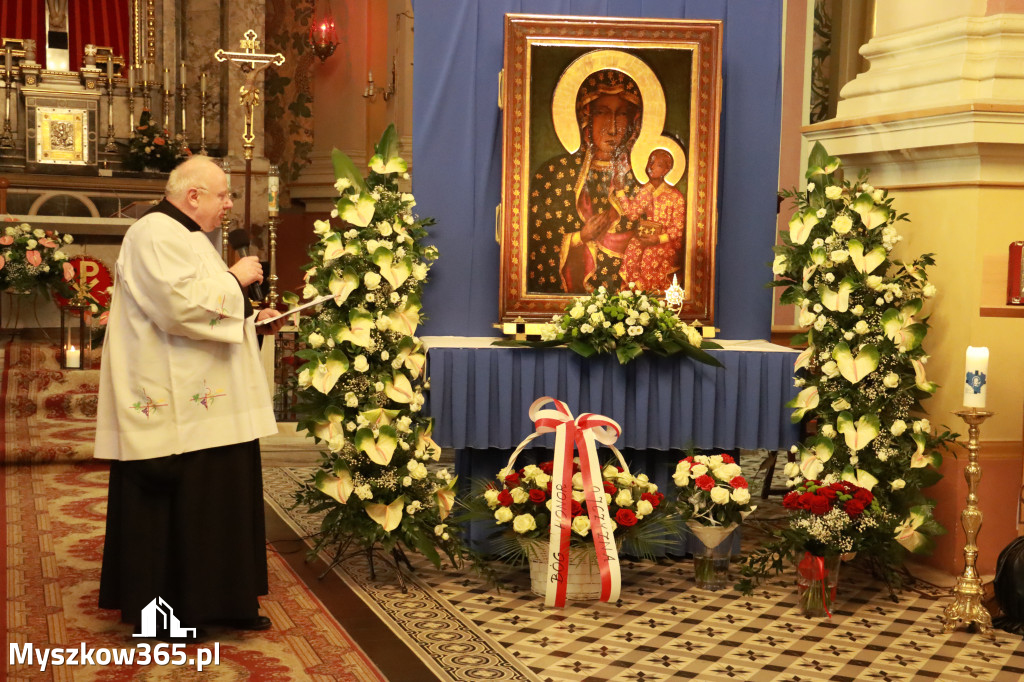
x,y
480,397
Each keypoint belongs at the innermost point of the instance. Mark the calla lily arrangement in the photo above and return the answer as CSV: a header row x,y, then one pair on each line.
x,y
862,376
361,387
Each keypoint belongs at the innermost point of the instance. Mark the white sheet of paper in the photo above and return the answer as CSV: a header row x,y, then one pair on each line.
x,y
309,304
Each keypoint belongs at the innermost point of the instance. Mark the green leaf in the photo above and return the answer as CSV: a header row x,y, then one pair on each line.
x,y
627,352
582,348
344,168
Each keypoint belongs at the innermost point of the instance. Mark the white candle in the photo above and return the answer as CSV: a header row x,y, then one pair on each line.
x,y
202,82
273,186
131,77
110,67
73,358
183,74
976,377
167,80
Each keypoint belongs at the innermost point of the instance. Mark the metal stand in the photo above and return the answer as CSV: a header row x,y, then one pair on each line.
x,y
396,558
967,606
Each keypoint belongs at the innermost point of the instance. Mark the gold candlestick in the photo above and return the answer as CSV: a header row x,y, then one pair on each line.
x,y
168,104
111,145
183,100
202,120
967,606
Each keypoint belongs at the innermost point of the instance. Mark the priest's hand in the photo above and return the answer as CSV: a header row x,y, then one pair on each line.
x,y
279,321
247,270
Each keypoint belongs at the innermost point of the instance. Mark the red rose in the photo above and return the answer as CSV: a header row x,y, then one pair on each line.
x,y
727,459
805,500
547,467
854,508
661,498
512,480
738,482
705,482
505,498
610,488
575,467
652,498
549,487
537,496
819,505
827,493
791,500
864,496
577,508
625,517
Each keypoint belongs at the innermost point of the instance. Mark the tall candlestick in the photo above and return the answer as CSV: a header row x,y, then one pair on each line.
x,y
183,74
131,77
976,377
202,83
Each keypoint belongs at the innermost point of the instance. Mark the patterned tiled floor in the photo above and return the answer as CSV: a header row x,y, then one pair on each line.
x,y
664,628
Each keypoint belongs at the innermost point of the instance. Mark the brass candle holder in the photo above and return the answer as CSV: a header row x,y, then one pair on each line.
x,y
202,120
168,104
111,145
966,606
182,102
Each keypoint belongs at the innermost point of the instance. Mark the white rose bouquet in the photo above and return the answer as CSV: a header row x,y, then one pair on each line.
x,y
711,491
626,322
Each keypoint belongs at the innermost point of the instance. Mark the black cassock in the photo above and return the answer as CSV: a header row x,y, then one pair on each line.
x,y
188,528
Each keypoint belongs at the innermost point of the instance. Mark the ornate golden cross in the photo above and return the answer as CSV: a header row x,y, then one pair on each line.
x,y
252,62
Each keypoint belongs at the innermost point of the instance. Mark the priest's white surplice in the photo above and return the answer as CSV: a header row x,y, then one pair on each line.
x,y
180,368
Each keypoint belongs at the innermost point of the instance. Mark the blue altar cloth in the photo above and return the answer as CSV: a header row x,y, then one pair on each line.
x,y
480,397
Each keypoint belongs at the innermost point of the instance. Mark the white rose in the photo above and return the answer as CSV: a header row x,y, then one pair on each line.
x,y
810,186
740,495
898,484
792,469
840,405
833,192
576,312
360,364
524,523
39,234
840,255
624,498
503,515
577,481
418,470
842,224
579,495
419,271
364,492
873,282
857,310
891,380
309,291
490,496
315,340
929,290
371,280
542,480
31,243
351,399
643,508
719,495
922,426
821,213
779,265
305,378
581,525
321,227
519,495
861,327
828,431
898,427
830,369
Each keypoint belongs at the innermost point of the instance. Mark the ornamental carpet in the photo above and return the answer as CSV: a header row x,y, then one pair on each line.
x,y
48,413
663,627
53,544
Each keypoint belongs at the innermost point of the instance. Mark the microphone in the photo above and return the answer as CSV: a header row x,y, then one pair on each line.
x,y
239,240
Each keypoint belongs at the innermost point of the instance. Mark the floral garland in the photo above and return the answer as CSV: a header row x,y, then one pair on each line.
x,y
149,147
626,322
862,376
361,387
31,259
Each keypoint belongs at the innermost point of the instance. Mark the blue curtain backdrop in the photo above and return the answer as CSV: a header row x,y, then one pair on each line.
x,y
457,150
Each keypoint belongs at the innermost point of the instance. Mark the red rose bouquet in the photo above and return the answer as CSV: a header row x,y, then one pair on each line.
x,y
520,505
832,520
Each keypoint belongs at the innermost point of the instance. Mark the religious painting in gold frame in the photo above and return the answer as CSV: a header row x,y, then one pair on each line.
x,y
62,136
610,160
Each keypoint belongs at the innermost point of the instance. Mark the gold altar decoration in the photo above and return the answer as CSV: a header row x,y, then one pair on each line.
x,y
967,594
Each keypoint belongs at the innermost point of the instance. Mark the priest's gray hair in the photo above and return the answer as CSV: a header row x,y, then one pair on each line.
x,y
192,172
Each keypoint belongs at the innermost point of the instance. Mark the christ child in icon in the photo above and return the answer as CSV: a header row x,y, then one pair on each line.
x,y
658,247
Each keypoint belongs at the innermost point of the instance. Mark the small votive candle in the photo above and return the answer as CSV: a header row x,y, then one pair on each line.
x,y
72,357
976,377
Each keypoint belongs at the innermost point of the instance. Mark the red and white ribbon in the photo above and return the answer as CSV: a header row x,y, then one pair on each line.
x,y
581,433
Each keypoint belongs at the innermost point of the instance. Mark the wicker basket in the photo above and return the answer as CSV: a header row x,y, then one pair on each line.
x,y
584,577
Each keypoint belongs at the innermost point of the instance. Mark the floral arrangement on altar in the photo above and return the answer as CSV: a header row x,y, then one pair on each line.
x,y
150,147
361,384
31,259
711,491
863,374
626,323
520,505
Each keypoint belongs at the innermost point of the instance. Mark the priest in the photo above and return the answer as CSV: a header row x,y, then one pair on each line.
x,y
183,401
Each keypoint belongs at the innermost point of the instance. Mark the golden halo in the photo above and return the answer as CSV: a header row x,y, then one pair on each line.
x,y
652,123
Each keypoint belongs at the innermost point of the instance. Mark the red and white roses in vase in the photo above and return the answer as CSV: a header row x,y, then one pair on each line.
x,y
713,499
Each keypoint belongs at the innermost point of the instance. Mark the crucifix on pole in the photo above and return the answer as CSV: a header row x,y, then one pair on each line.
x,y
252,64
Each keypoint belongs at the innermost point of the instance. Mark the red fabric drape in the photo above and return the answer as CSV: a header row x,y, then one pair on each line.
x,y
97,22
24,19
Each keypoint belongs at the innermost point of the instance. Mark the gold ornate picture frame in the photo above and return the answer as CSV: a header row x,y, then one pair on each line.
x,y
610,160
60,133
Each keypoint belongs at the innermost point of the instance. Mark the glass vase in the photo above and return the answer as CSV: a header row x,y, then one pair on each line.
x,y
711,563
817,580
